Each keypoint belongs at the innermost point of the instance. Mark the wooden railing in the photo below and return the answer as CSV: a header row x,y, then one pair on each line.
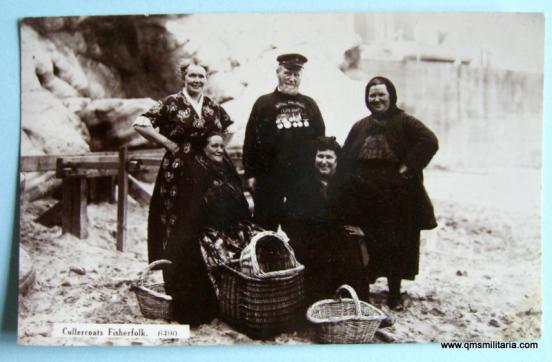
x,y
77,170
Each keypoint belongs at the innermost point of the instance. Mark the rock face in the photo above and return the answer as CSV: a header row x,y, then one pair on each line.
x,y
109,122
85,79
80,77
49,126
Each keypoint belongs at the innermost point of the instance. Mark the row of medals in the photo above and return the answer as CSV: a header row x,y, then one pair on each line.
x,y
289,124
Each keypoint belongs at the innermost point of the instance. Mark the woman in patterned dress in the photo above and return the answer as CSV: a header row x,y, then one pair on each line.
x,y
178,123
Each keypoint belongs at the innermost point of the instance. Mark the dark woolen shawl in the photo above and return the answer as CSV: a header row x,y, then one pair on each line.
x,y
411,141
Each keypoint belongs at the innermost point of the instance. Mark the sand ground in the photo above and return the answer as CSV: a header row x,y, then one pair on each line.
x,y
480,270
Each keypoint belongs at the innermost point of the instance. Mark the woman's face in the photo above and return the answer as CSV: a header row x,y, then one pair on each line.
x,y
378,98
214,149
325,163
194,79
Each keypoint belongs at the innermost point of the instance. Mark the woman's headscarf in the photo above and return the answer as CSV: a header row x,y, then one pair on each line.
x,y
392,95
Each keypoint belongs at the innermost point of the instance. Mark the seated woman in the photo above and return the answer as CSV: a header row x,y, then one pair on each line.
x,y
330,250
214,226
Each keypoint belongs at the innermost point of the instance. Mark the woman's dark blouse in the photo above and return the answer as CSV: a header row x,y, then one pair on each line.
x,y
390,207
411,142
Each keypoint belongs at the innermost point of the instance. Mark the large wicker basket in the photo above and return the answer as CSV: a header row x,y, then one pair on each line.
x,y
268,255
264,304
342,320
153,301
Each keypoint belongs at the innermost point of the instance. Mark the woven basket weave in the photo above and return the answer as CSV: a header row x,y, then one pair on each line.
x,y
153,301
268,255
343,320
258,302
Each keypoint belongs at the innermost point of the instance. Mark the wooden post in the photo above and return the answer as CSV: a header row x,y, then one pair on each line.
x,y
74,200
122,192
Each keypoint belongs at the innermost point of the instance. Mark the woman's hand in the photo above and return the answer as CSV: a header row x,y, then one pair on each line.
x,y
354,230
403,171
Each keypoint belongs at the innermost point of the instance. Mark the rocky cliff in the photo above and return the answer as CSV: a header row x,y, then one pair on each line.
x,y
85,79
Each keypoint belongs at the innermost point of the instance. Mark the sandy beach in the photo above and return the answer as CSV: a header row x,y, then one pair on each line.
x,y
479,270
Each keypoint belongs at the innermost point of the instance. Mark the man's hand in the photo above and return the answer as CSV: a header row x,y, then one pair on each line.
x,y
251,183
354,230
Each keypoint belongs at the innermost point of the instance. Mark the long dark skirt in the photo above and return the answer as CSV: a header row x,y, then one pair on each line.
x,y
187,281
383,202
164,206
331,258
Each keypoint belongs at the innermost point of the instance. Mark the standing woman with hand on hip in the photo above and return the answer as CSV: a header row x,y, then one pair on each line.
x,y
179,123
381,185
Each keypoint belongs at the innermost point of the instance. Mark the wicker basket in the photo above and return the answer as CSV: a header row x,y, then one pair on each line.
x,y
345,320
153,301
268,255
266,303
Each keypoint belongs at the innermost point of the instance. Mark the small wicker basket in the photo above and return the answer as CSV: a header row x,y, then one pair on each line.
x,y
153,301
342,320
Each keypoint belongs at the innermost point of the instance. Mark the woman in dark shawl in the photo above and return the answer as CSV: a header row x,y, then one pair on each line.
x,y
381,185
213,227
330,251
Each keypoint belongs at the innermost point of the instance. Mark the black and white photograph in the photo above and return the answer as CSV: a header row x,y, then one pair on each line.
x,y
280,178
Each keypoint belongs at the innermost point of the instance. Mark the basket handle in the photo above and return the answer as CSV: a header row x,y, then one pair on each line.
x,y
353,294
150,267
253,245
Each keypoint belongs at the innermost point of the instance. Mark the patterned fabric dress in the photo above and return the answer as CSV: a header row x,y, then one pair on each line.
x,y
177,120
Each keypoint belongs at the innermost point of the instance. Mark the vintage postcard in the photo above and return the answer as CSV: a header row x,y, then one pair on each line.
x,y
214,179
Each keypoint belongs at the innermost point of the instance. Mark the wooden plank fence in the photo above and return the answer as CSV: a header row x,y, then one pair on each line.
x,y
44,163
78,171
